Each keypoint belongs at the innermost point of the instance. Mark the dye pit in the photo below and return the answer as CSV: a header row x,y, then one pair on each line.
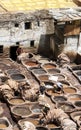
x,y
53,71
20,93
49,66
74,97
2,126
34,121
36,108
70,90
12,71
50,92
39,71
52,125
17,76
43,77
20,112
65,106
59,99
31,64
16,101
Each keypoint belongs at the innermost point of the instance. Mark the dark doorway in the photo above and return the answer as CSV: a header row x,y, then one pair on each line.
x,y
13,55
32,43
27,25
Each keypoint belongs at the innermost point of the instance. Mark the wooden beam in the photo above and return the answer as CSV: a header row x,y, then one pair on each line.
x,y
3,8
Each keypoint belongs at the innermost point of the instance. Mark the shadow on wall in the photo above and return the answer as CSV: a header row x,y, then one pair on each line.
x,y
50,45
78,59
44,45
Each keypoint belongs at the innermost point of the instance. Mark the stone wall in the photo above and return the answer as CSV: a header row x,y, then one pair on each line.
x,y
37,34
12,28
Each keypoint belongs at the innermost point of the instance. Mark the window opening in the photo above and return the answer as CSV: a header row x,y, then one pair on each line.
x,y
27,25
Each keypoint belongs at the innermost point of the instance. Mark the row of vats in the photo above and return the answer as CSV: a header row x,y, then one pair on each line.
x,y
20,91
76,70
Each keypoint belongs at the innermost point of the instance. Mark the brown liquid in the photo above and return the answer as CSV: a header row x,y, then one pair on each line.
x,y
31,63
49,66
16,101
51,126
75,99
44,78
2,126
51,93
69,90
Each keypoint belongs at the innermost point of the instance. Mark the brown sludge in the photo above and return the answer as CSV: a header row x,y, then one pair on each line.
x,y
31,63
52,93
16,101
69,90
2,126
43,78
49,66
52,126
75,99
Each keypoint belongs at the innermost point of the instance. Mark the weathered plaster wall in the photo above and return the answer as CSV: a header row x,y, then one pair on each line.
x,y
71,47
42,28
9,34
